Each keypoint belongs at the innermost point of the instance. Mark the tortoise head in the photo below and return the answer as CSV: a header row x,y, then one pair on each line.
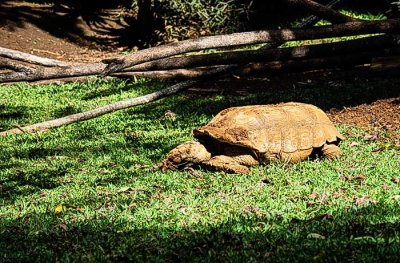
x,y
184,155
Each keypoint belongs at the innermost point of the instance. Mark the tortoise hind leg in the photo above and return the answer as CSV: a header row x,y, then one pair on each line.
x,y
226,164
331,151
296,156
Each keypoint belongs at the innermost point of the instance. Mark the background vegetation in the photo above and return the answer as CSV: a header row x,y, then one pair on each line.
x,y
152,22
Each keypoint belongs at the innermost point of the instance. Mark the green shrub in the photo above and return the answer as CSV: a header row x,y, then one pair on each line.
x,y
182,19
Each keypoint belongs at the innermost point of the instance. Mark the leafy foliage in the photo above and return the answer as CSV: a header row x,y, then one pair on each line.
x,y
184,19
396,4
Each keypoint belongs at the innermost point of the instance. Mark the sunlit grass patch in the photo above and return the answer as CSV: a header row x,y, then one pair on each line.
x,y
88,191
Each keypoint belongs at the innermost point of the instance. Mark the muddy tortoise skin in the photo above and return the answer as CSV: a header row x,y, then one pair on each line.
x,y
240,137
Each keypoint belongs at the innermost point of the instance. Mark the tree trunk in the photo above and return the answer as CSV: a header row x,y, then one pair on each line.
x,y
144,22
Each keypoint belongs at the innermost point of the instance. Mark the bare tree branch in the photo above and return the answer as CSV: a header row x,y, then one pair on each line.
x,y
170,74
124,104
190,45
246,38
331,62
22,56
54,72
261,55
391,63
311,20
7,64
272,67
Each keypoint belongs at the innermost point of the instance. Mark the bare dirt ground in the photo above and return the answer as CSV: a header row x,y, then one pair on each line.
x,y
45,31
383,114
39,30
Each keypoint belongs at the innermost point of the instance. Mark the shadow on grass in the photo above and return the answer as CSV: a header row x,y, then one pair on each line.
x,y
22,183
12,112
67,110
42,168
348,235
103,88
325,92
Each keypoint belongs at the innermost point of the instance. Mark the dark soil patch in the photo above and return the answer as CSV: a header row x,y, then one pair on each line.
x,y
382,114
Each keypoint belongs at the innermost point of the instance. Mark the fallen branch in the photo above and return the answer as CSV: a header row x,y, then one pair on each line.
x,y
273,67
124,104
59,73
391,63
263,55
54,73
333,62
22,56
307,22
310,20
170,74
178,74
7,64
246,38
184,64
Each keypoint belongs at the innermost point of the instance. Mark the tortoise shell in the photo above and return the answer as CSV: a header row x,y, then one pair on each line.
x,y
280,128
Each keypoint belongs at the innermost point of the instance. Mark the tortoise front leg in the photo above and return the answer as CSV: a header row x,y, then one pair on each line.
x,y
185,155
331,151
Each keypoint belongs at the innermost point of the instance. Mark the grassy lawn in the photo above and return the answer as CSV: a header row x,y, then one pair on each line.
x,y
87,192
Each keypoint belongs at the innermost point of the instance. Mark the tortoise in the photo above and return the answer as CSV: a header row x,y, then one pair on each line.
x,y
240,137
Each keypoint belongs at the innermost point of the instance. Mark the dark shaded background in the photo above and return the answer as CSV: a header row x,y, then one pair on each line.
x,y
140,26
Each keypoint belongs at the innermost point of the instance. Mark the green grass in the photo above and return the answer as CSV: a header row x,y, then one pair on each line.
x,y
83,193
